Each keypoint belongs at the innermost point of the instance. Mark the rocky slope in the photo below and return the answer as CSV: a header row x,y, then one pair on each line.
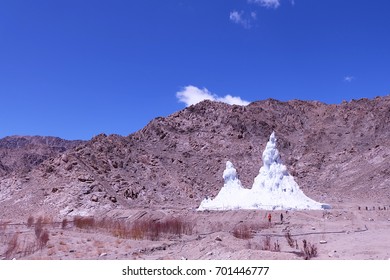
x,y
336,152
20,154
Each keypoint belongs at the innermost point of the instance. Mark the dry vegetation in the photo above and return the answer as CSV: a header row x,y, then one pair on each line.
x,y
309,250
3,225
243,232
140,229
12,246
290,241
248,231
268,245
21,245
40,237
36,235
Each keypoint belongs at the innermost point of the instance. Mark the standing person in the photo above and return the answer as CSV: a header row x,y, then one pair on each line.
x,y
269,217
281,217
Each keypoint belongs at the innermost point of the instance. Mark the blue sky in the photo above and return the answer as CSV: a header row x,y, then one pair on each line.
x,y
77,68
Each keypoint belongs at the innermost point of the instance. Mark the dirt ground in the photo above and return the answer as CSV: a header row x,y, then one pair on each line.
x,y
342,233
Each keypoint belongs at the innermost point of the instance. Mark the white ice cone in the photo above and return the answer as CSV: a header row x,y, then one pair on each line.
x,y
273,188
232,194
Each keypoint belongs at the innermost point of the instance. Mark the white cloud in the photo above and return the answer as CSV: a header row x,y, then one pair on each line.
x,y
191,95
238,18
254,15
349,78
266,3
232,100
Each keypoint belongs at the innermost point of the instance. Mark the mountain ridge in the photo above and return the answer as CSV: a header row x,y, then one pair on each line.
x,y
335,152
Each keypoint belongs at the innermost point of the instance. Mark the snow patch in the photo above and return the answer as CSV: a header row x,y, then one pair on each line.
x,y
273,188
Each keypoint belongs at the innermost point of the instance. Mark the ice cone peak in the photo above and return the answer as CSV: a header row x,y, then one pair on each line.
x,y
273,187
230,173
273,175
271,154
231,195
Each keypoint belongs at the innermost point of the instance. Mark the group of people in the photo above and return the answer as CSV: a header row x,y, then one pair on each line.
x,y
270,217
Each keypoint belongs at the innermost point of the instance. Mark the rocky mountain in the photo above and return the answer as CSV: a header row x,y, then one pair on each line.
x,y
335,152
22,153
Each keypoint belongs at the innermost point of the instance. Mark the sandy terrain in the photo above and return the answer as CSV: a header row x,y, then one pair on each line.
x,y
349,234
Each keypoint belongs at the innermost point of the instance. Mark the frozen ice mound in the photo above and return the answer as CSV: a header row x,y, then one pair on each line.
x,y
273,188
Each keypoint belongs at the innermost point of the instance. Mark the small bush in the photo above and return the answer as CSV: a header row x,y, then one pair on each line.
x,y
138,230
30,221
243,232
141,229
43,239
118,229
3,225
147,229
64,223
309,250
291,242
276,246
38,227
266,244
84,222
13,244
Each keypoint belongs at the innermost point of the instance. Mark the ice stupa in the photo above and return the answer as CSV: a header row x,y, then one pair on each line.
x,y
231,196
273,188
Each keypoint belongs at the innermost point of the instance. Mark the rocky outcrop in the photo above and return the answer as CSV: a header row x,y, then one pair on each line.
x,y
22,153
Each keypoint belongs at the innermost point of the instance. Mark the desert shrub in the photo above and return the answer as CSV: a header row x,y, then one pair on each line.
x,y
243,232
148,229
266,244
291,242
153,230
43,239
118,228
175,226
3,225
276,247
140,229
84,222
64,223
12,245
47,220
38,227
172,225
30,221
309,250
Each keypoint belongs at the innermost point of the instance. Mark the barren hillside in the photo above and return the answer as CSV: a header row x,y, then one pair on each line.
x,y
20,154
336,152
